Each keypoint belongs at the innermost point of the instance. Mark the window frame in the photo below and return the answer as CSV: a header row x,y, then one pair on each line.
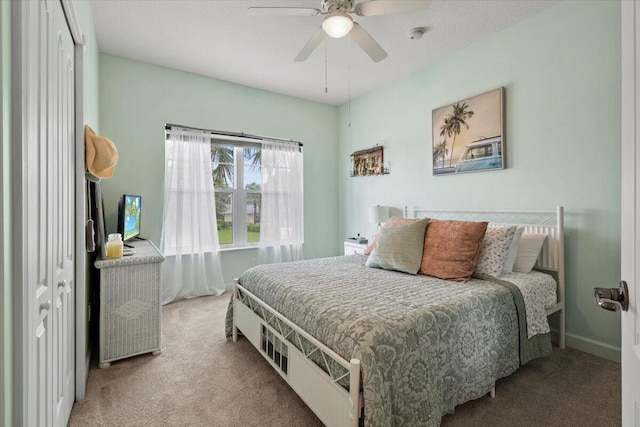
x,y
238,194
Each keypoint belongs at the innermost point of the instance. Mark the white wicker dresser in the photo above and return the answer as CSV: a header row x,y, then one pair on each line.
x,y
130,303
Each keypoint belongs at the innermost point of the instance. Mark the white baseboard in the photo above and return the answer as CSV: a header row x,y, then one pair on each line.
x,y
228,287
597,348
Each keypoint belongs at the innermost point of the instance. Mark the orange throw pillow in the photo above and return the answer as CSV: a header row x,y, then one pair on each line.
x,y
451,249
391,222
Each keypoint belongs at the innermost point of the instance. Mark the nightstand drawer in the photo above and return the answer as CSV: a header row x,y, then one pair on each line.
x,y
351,248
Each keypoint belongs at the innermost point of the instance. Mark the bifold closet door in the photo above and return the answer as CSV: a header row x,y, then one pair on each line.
x,y
44,194
62,138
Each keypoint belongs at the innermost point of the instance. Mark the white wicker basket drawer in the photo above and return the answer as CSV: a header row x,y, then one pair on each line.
x,y
129,310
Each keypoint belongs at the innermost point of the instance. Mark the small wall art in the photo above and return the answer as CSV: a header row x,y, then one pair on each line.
x,y
467,136
368,162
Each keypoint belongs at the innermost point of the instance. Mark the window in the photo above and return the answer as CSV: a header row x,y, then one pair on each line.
x,y
237,179
479,152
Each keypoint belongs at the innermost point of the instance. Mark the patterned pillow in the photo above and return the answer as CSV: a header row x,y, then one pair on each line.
x,y
399,248
391,222
451,249
494,249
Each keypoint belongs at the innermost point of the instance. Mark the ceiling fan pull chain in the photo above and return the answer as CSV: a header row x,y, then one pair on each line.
x,y
326,78
349,76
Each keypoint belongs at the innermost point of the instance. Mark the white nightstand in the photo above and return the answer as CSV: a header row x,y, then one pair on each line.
x,y
352,248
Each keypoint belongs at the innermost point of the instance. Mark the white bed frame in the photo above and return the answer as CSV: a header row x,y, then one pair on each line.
x,y
324,389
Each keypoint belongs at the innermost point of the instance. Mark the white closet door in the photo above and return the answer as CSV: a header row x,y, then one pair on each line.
x,y
61,141
44,233
36,237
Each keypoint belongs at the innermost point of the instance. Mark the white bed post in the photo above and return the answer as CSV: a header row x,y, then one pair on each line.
x,y
354,391
234,296
560,216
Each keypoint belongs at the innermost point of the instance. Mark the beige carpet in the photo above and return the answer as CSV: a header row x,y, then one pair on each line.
x,y
200,379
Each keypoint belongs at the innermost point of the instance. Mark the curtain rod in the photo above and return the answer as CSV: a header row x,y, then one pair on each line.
x,y
168,126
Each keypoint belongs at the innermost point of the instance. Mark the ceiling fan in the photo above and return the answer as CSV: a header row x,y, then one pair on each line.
x,y
339,23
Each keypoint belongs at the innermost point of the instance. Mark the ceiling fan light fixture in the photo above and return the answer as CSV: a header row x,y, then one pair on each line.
x,y
337,24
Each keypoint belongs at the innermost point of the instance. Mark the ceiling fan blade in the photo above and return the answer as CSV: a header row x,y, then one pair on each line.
x,y
384,7
286,11
367,43
311,45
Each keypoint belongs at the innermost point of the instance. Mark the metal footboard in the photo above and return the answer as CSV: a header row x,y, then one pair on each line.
x,y
328,384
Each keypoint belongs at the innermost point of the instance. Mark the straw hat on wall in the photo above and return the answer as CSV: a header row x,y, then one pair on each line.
x,y
101,154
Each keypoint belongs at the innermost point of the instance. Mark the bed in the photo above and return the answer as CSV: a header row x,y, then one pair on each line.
x,y
369,346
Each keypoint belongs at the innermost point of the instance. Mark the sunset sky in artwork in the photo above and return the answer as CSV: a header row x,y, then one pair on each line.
x,y
485,123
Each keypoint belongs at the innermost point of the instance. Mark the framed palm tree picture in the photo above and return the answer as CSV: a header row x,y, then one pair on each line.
x,y
467,136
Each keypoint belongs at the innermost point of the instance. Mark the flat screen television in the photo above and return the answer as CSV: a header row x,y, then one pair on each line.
x,y
129,213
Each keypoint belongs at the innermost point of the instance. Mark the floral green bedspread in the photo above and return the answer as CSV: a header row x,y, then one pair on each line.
x,y
425,344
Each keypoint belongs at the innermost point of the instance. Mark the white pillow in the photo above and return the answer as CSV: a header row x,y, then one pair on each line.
x,y
494,249
528,252
513,251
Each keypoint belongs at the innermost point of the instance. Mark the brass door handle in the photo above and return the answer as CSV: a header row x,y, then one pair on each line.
x,y
613,299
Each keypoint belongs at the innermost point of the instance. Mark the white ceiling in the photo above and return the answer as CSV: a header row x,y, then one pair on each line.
x,y
217,38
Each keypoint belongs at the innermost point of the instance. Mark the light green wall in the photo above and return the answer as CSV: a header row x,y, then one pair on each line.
x,y
561,73
91,65
90,110
136,100
6,313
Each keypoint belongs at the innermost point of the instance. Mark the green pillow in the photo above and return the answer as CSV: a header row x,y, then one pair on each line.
x,y
399,248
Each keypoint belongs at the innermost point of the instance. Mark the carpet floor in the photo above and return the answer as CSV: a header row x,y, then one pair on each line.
x,y
200,379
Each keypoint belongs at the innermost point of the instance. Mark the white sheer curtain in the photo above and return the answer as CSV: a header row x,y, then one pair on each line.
x,y
281,225
189,231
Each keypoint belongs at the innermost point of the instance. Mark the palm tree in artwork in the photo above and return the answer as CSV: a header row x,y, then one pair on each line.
x,y
440,151
453,123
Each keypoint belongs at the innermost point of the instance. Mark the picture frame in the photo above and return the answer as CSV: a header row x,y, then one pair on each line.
x,y
468,135
368,162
